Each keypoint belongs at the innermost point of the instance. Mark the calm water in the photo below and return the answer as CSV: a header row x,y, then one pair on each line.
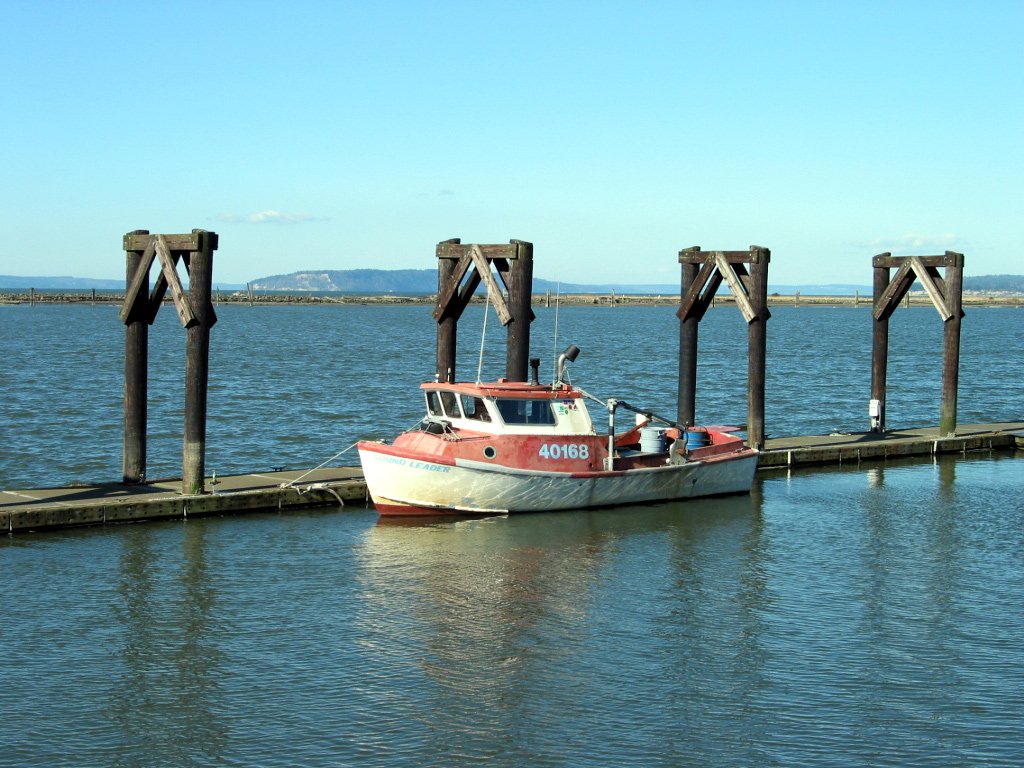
x,y
870,616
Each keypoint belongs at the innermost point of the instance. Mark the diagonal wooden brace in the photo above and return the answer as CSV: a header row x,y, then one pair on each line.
x,y
739,290
133,298
926,275
170,276
483,267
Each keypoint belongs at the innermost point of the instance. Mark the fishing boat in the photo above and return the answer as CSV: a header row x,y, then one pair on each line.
x,y
506,447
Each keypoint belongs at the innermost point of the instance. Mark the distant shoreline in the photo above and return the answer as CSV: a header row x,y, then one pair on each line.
x,y
539,300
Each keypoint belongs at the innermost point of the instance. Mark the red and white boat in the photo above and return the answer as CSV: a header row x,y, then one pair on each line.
x,y
503,447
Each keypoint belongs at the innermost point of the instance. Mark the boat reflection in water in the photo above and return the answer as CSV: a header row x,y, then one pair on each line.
x,y
484,614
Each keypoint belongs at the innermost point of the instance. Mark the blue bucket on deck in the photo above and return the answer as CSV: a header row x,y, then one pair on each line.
x,y
696,440
652,439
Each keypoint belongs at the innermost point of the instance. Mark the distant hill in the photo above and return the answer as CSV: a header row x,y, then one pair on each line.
x,y
995,284
51,283
424,282
414,281
56,283
352,281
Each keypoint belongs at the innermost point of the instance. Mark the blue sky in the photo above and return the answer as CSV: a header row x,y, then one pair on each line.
x,y
343,135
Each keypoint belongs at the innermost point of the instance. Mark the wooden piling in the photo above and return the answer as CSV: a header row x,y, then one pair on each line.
x,y
757,345
951,342
688,337
879,343
197,361
136,367
446,325
519,278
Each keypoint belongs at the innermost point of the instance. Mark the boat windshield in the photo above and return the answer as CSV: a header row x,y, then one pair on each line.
x,y
442,404
474,408
518,411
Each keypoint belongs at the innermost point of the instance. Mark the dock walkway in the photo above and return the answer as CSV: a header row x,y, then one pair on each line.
x,y
841,447
39,509
35,509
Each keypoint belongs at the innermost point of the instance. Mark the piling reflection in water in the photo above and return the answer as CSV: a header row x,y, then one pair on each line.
x,y
170,660
830,617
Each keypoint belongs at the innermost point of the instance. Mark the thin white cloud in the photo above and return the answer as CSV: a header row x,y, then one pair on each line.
x,y
269,216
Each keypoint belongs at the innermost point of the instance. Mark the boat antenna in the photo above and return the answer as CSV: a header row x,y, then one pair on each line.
x,y
483,336
554,345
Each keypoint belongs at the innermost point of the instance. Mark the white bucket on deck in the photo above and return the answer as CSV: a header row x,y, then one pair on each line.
x,y
652,439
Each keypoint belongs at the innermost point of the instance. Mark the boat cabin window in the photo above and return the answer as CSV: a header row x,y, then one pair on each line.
x,y
474,408
433,404
450,405
519,411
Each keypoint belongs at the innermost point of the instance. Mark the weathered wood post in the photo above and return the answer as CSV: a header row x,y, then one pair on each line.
x,y
688,339
879,347
136,367
946,297
703,273
757,345
197,361
519,282
951,342
447,325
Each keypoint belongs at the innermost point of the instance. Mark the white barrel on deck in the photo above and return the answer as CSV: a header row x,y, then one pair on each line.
x,y
652,439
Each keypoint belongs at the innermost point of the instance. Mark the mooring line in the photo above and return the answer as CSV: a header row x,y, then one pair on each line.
x,y
290,483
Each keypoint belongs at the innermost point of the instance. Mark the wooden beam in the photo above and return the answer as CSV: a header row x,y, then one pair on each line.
x,y
895,291
189,242
448,250
483,268
701,257
736,286
933,291
170,275
949,259
693,305
444,299
133,296
505,273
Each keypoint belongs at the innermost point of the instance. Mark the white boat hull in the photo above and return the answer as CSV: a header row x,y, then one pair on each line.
x,y
406,485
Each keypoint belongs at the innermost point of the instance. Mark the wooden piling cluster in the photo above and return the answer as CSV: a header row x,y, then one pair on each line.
x,y
460,270
946,296
197,316
702,274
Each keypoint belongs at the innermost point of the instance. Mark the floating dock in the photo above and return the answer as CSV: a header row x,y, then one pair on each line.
x,y
38,509
48,508
854,447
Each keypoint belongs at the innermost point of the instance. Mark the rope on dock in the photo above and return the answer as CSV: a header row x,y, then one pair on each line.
x,y
291,483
